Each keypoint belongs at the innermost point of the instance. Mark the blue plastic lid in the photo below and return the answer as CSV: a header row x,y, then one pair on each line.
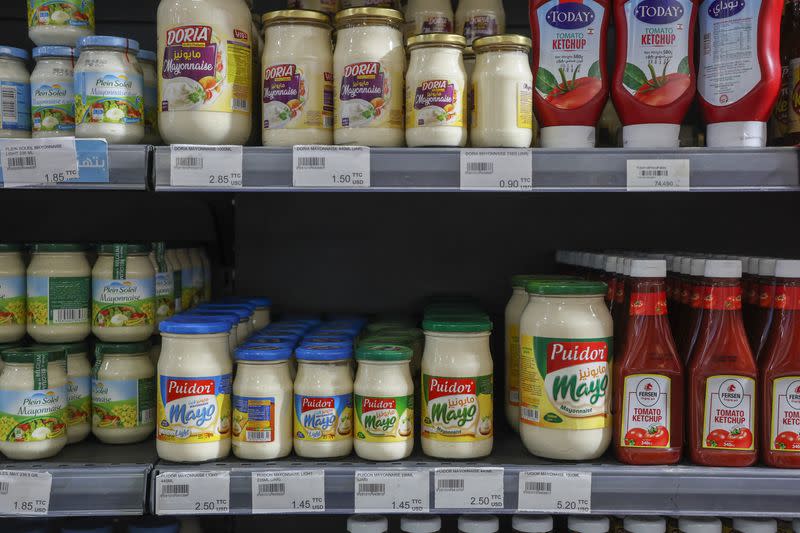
x,y
289,345
300,317
334,331
284,328
230,318
264,352
199,325
109,42
244,313
256,301
54,51
339,344
146,55
324,352
276,338
16,53
328,339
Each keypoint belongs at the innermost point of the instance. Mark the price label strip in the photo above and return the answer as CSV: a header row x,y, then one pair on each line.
x,y
649,175
291,491
31,162
331,167
25,493
469,488
193,493
206,167
496,170
392,491
555,492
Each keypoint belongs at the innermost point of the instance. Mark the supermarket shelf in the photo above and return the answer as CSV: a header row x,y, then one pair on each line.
x,y
599,170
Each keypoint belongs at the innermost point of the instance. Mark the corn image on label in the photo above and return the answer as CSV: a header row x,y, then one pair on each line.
x,y
12,300
122,404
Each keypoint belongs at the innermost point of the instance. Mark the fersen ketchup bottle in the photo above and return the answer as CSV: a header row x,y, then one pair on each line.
x,y
779,381
689,339
648,421
722,376
766,300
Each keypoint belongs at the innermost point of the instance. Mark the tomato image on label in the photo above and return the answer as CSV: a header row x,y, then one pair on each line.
x,y
646,411
785,423
657,89
569,93
729,413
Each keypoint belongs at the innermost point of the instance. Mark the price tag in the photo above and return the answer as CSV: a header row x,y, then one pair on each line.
x,y
469,488
392,491
191,493
291,491
27,162
555,492
24,493
659,175
496,170
325,167
211,167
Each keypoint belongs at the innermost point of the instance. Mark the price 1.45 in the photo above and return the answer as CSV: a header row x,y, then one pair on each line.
x,y
309,504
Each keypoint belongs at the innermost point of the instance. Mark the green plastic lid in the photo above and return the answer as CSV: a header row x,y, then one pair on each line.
x,y
375,327
520,281
8,345
58,247
383,352
29,355
378,339
414,333
133,248
5,248
71,348
127,348
567,288
475,323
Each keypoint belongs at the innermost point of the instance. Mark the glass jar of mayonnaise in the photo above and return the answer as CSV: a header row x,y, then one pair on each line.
x,y
60,23
15,83
52,92
12,293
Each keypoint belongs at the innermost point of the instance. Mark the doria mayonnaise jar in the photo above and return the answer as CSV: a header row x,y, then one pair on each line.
x,y
60,23
12,293
368,71
428,16
15,93
205,71
480,18
52,92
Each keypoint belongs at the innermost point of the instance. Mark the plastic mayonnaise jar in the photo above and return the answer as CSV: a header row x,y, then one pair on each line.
x,y
194,391
123,399
15,87
421,524
323,402
177,276
12,293
59,287
262,403
436,91
33,400
147,60
297,79
369,66
262,316
699,524
164,283
109,90
367,523
60,23
480,18
204,67
587,524
429,16
52,92
566,337
478,524
243,311
457,387
502,85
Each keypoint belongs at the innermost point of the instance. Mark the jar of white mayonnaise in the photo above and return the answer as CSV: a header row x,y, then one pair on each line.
x,y
457,387
194,391
33,400
480,18
205,73
384,403
645,524
189,296
367,523
59,285
323,402
245,313
436,91
262,316
164,283
429,16
566,334
15,84
123,293
588,524
147,60
123,399
297,78
521,523
262,403
198,273
230,317
421,524
368,70
478,524
109,90
13,306
52,92
60,23
177,276
502,85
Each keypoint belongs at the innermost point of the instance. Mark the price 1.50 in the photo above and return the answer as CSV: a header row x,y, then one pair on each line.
x,y
353,179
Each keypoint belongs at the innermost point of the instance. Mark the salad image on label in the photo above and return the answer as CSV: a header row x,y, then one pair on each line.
x,y
384,419
457,409
323,419
195,68
365,92
53,107
77,13
12,300
284,95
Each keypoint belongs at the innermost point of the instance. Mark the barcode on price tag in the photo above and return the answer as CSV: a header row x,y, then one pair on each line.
x,y
392,491
28,162
24,493
496,170
325,167
206,167
659,175
555,492
291,491
185,493
469,488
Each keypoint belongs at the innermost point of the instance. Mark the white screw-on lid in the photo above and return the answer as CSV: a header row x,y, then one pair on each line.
x,y
599,262
755,525
480,523
532,523
686,265
585,259
645,524
567,137
620,265
626,266
749,134
588,524
723,268
752,265
766,267
698,267
611,264
699,524
648,268
367,523
676,264
787,268
421,524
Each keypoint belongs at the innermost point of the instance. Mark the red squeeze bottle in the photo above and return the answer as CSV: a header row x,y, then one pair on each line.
x,y
766,296
621,305
722,376
688,341
692,280
610,278
648,398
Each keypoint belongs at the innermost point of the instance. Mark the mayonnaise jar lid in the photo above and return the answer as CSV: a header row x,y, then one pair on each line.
x,y
436,39
107,41
14,53
520,281
231,318
58,247
122,348
196,326
244,313
258,301
70,348
295,15
276,338
515,41
295,330
384,353
55,51
266,353
278,343
323,353
476,323
33,354
363,14
147,55
567,288
130,248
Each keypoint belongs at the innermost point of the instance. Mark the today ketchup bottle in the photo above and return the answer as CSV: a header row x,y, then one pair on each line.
x,y
654,76
648,400
722,376
779,379
569,69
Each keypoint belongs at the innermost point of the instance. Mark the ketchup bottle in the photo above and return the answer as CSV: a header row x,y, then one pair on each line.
x,y
610,278
687,300
688,341
722,376
648,424
750,292
621,304
682,290
763,314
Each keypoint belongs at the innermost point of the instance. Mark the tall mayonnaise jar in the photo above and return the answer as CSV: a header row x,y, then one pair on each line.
x,y
123,399
566,351
369,66
109,90
297,79
194,391
262,403
205,71
177,276
15,93
53,92
12,293
429,16
60,23
323,402
164,283
123,293
59,286
198,274
33,399
457,387
147,60
502,86
189,296
384,403
480,18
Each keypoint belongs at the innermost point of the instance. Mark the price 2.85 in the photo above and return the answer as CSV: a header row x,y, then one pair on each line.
x,y
225,179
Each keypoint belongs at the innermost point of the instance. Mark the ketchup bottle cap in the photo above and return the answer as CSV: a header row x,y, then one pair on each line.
x,y
726,268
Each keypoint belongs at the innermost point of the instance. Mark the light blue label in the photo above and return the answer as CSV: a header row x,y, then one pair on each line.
x,y
324,418
123,303
110,98
32,415
53,107
15,103
79,387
